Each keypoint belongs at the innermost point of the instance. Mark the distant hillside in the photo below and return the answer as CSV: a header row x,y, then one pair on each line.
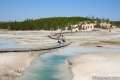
x,y
52,23
45,23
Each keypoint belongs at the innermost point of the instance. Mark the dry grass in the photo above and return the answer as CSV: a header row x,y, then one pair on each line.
x,y
110,42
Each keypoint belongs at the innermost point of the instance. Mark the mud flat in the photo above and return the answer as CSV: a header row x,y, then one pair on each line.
x,y
22,39
91,66
97,47
13,64
15,59
101,60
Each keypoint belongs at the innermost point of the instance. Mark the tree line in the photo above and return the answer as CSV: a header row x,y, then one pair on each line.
x,y
52,23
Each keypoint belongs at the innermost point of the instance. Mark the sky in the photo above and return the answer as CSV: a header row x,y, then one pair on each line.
x,y
11,10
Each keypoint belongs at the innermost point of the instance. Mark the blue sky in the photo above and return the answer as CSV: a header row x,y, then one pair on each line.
x,y
22,9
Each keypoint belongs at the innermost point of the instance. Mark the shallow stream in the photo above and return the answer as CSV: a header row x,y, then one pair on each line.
x,y
53,65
